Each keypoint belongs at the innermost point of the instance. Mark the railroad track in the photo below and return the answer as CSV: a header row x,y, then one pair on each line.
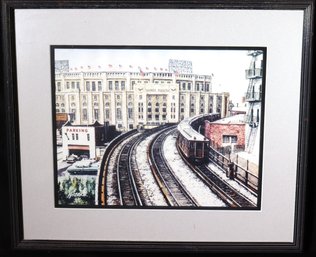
x,y
229,194
173,190
223,190
127,188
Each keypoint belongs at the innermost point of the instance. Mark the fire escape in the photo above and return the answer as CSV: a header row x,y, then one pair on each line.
x,y
253,97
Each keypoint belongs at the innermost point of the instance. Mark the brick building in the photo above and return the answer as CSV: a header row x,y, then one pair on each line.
x,y
227,133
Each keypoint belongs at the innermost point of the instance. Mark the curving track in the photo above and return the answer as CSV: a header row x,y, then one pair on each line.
x,y
122,176
128,193
173,190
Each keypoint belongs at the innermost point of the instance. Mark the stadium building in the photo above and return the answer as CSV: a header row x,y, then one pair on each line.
x,y
129,97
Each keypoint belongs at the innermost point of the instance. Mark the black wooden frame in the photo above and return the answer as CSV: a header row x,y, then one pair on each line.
x,y
10,141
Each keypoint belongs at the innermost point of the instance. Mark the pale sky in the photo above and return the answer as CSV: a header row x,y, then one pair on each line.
x,y
227,66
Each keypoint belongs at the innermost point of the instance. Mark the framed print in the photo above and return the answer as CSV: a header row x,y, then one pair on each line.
x,y
146,126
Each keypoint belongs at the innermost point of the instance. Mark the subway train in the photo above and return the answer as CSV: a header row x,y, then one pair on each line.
x,y
191,140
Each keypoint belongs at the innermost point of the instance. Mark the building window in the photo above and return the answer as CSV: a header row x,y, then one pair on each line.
x,y
88,86
130,126
73,85
122,85
107,114
73,136
116,85
110,85
118,113
73,114
130,113
96,114
58,86
148,109
67,85
140,107
183,86
77,137
189,86
132,85
88,137
157,117
229,139
93,86
149,116
84,114
78,85
99,85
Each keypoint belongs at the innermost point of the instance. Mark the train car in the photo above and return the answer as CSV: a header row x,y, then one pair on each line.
x,y
192,144
191,141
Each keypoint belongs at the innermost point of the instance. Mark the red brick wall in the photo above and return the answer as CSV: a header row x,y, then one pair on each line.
x,y
215,132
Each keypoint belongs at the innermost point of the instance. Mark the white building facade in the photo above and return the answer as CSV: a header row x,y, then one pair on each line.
x,y
76,138
128,99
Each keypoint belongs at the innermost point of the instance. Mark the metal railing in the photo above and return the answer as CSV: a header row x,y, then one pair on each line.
x,y
254,73
253,96
234,171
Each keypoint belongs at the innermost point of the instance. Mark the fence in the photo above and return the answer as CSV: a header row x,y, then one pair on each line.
x,y
234,171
